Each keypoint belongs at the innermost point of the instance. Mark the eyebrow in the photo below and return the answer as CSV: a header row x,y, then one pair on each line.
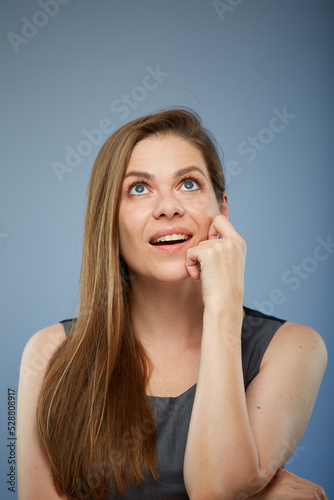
x,y
178,173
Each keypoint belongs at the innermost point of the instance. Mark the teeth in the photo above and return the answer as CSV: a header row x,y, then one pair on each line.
x,y
171,237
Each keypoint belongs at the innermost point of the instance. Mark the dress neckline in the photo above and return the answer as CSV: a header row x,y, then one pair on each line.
x,y
172,398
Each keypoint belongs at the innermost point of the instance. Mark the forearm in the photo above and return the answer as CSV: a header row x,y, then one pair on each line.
x,y
286,485
221,454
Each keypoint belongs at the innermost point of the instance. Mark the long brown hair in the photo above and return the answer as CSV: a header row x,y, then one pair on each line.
x,y
93,416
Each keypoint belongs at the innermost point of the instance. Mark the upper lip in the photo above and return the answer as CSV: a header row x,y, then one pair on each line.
x,y
170,230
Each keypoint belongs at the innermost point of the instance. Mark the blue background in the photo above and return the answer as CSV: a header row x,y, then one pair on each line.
x,y
233,65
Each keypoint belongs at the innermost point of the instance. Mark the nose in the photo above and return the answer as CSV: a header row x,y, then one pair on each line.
x,y
168,205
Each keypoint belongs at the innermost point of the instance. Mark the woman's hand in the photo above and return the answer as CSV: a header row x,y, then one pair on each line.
x,y
219,262
254,435
287,486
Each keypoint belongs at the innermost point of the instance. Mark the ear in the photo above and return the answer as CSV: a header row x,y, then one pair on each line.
x,y
223,206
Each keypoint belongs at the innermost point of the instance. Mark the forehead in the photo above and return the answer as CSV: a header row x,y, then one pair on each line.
x,y
165,151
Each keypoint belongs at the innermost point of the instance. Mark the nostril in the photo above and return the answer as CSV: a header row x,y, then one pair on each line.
x,y
168,209
168,214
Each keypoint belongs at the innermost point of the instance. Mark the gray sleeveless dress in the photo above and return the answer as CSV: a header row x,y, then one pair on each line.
x,y
173,414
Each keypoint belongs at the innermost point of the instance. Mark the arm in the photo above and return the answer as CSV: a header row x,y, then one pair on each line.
x,y
234,447
35,481
285,390
285,485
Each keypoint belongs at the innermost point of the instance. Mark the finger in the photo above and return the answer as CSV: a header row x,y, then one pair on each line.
x,y
193,266
213,232
221,227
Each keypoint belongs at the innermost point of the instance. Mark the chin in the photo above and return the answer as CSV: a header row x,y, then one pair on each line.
x,y
171,274
173,278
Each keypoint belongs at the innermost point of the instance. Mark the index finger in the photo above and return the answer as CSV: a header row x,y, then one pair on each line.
x,y
221,227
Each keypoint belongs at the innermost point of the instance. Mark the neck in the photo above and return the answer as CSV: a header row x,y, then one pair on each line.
x,y
168,313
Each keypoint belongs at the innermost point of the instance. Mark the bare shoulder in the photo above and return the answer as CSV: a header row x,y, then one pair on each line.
x,y
42,345
37,354
34,473
297,341
54,334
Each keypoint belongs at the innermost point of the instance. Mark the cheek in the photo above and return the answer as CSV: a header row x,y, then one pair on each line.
x,y
204,212
205,209
124,229
131,224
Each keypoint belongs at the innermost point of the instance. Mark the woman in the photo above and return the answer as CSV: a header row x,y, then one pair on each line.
x,y
143,395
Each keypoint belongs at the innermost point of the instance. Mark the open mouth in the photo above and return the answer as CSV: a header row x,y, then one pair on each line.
x,y
170,239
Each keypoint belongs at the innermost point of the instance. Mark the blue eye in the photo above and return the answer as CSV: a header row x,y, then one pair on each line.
x,y
138,189
189,185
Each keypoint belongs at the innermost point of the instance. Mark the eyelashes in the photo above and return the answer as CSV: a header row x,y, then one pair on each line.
x,y
138,188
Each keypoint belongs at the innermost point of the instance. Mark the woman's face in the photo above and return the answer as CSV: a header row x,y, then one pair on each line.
x,y
167,205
